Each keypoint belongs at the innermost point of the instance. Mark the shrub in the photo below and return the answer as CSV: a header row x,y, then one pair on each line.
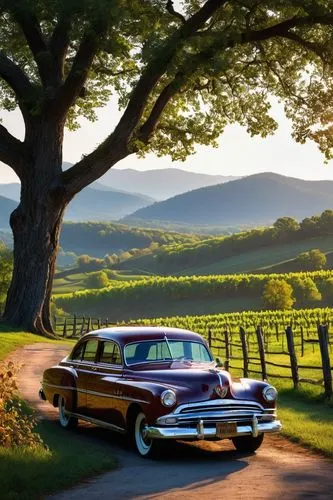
x,y
278,294
16,428
305,290
311,261
98,279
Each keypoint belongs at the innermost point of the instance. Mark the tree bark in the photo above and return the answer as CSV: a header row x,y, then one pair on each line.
x,y
36,225
36,235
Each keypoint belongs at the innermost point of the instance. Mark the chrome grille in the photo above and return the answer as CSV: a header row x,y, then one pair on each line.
x,y
219,410
249,408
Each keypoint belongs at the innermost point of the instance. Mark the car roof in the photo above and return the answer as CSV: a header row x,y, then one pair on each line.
x,y
127,334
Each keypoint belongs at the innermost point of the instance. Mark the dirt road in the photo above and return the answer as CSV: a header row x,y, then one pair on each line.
x,y
204,471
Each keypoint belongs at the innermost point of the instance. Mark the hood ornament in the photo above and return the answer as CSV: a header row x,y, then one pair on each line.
x,y
221,391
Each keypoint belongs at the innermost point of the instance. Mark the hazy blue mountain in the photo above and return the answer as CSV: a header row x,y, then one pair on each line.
x,y
97,205
90,204
11,190
257,199
104,187
6,208
160,184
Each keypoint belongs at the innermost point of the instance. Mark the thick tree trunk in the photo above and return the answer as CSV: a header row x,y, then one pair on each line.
x,y
36,235
36,226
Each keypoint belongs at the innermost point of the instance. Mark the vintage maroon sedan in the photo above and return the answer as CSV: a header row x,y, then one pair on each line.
x,y
155,383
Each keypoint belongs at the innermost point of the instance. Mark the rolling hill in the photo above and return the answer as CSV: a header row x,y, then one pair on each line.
x,y
258,200
93,204
100,238
160,184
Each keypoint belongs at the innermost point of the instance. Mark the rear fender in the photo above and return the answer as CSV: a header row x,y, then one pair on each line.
x,y
60,381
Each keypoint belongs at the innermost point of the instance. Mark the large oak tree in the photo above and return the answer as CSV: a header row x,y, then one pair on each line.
x,y
182,71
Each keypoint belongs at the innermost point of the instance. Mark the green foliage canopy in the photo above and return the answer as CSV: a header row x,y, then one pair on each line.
x,y
180,76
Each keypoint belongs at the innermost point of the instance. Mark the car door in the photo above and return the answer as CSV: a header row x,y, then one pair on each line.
x,y
104,394
83,361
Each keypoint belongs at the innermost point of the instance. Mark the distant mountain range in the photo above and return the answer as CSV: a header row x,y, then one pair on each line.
x,y
257,199
90,204
250,201
160,184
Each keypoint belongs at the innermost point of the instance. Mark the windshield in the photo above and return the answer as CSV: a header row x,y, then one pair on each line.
x,y
166,350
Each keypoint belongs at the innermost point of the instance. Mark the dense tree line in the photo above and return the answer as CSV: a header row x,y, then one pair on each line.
x,y
100,238
307,289
284,230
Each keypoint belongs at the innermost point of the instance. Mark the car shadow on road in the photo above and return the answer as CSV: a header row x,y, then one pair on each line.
x,y
185,466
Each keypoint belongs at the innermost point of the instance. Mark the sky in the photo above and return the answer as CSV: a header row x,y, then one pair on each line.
x,y
238,154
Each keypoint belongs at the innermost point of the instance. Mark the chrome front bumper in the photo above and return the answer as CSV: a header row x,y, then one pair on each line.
x,y
202,432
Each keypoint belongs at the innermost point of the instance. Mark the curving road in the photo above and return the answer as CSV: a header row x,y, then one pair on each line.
x,y
200,471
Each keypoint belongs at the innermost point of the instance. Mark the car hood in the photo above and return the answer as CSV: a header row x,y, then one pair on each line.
x,y
195,378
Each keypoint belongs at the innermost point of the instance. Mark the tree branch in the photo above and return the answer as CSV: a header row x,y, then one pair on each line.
x,y
282,28
34,36
316,48
12,151
15,77
78,75
98,162
58,46
171,10
165,96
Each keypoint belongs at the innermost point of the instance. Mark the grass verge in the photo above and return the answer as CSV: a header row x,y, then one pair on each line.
x,y
28,474
307,420
14,339
68,459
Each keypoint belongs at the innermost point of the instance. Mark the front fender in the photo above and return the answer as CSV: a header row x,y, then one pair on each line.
x,y
148,396
252,390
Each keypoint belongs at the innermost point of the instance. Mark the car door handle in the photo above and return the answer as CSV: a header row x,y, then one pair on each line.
x,y
94,368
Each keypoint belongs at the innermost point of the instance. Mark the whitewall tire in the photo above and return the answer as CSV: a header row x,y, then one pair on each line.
x,y
65,420
145,447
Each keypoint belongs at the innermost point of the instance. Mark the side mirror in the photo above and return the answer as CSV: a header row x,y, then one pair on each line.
x,y
219,363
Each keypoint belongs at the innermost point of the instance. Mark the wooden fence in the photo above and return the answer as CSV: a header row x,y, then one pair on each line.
x,y
226,344
248,351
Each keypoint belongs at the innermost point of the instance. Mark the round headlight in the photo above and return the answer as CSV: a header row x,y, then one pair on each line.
x,y
269,393
168,398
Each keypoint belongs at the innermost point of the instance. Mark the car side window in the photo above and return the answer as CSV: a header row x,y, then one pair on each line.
x,y
90,350
110,354
78,351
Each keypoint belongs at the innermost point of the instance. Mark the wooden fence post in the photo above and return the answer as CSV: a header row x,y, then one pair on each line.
x,y
74,326
260,341
245,352
302,341
88,325
230,339
292,354
64,331
227,352
83,325
323,342
209,337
